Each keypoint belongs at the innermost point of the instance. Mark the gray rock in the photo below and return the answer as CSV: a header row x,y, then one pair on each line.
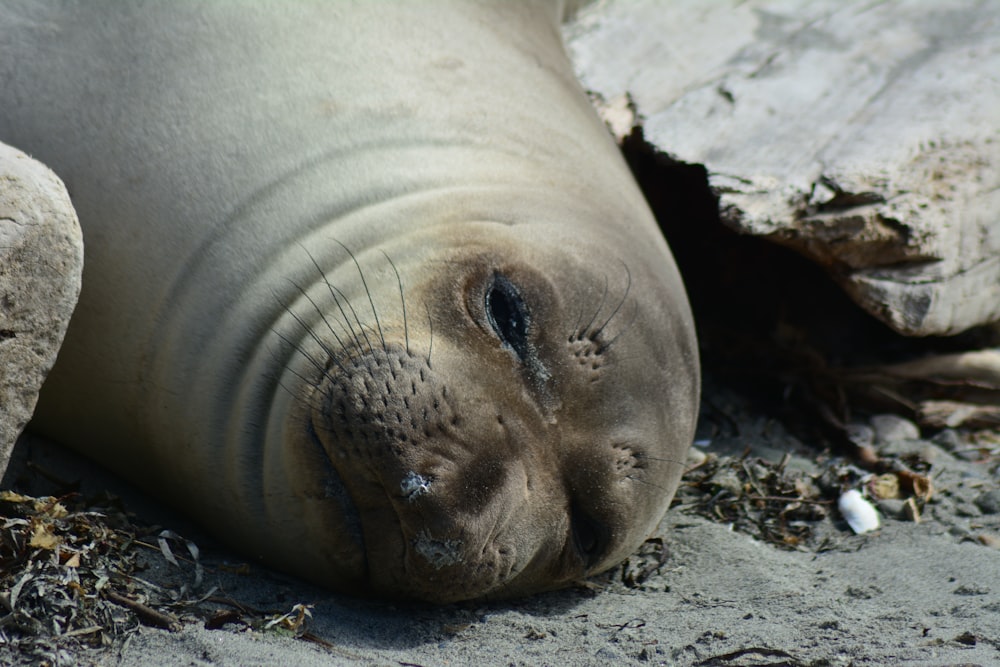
x,y
41,260
861,435
949,440
989,502
891,507
892,428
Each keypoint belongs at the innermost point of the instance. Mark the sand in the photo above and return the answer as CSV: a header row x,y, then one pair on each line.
x,y
923,593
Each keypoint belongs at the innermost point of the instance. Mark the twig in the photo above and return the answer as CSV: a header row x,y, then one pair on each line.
x,y
789,500
146,614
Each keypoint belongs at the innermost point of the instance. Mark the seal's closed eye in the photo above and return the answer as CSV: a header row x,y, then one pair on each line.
x,y
508,315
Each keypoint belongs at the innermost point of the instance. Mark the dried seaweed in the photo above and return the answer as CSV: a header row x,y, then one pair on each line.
x,y
794,509
57,566
759,497
71,579
647,561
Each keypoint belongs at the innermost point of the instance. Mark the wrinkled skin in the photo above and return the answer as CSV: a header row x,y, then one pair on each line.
x,y
368,289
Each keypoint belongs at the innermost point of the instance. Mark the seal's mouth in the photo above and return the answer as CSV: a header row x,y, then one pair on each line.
x,y
380,505
335,489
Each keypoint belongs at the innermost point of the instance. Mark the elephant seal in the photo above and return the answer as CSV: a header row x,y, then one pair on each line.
x,y
368,288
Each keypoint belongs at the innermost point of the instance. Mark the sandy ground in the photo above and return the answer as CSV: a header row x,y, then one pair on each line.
x,y
912,594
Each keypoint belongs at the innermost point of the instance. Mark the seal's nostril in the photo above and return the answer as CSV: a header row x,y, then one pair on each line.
x,y
590,536
413,486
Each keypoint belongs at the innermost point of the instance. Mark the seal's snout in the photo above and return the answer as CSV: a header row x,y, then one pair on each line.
x,y
443,466
378,404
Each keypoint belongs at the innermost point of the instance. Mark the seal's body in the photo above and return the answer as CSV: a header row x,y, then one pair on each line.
x,y
368,288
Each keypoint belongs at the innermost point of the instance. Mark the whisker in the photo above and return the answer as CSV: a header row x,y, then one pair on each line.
x,y
312,333
628,287
577,332
635,315
306,381
287,390
402,301
640,455
334,291
597,312
430,326
276,377
318,366
357,320
368,292
646,482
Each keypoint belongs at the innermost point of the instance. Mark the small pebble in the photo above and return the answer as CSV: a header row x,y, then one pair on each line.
x,y
904,447
607,654
891,428
989,539
891,507
967,509
695,457
960,530
861,435
989,502
948,440
969,454
728,480
931,453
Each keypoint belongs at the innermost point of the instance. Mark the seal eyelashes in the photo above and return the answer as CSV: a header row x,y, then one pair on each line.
x,y
588,343
594,334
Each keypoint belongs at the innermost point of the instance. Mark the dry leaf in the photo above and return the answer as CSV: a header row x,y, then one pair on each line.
x,y
884,486
11,497
911,511
50,508
42,537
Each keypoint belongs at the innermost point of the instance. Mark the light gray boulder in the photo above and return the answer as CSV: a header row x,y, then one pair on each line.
x,y
41,260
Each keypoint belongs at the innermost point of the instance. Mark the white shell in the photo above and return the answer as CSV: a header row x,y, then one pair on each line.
x,y
858,512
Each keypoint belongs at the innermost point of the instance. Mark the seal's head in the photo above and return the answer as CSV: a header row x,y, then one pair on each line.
x,y
523,427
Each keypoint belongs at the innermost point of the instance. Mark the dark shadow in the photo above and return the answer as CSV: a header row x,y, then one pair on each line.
x,y
771,324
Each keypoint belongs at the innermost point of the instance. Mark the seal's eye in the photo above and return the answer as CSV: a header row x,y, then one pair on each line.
x,y
508,315
590,537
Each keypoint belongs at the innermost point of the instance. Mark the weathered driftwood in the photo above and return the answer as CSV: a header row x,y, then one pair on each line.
x,y
940,391
41,258
864,135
